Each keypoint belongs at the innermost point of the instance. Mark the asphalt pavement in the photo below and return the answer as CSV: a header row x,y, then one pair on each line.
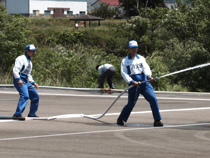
x,y
62,131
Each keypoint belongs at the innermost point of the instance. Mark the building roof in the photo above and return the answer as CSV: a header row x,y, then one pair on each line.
x,y
87,18
173,1
110,2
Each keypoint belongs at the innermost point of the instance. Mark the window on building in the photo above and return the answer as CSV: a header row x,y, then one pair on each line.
x,y
69,13
35,12
82,13
47,12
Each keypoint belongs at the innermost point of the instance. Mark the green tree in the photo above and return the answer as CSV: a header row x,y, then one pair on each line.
x,y
14,33
190,25
190,22
148,30
104,11
134,7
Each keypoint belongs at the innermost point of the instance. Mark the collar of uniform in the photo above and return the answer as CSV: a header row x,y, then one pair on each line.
x,y
27,57
130,57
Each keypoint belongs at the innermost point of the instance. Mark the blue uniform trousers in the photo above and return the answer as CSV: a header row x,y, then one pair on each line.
x,y
148,92
26,92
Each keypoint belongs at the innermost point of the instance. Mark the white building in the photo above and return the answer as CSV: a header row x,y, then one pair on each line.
x,y
56,8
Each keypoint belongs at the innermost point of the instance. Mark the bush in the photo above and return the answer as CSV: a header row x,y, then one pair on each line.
x,y
158,69
73,67
14,34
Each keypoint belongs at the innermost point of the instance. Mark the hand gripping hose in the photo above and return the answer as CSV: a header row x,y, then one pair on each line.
x,y
96,117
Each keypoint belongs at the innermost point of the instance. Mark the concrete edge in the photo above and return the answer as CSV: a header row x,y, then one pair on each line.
x,y
113,90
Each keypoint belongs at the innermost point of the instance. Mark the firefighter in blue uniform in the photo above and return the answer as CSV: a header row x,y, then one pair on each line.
x,y
23,82
133,69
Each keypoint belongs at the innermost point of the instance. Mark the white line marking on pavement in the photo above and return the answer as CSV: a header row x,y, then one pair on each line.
x,y
111,114
107,96
104,131
8,120
108,114
168,110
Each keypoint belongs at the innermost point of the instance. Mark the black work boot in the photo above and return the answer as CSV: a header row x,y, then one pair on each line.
x,y
120,122
32,116
15,117
158,123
